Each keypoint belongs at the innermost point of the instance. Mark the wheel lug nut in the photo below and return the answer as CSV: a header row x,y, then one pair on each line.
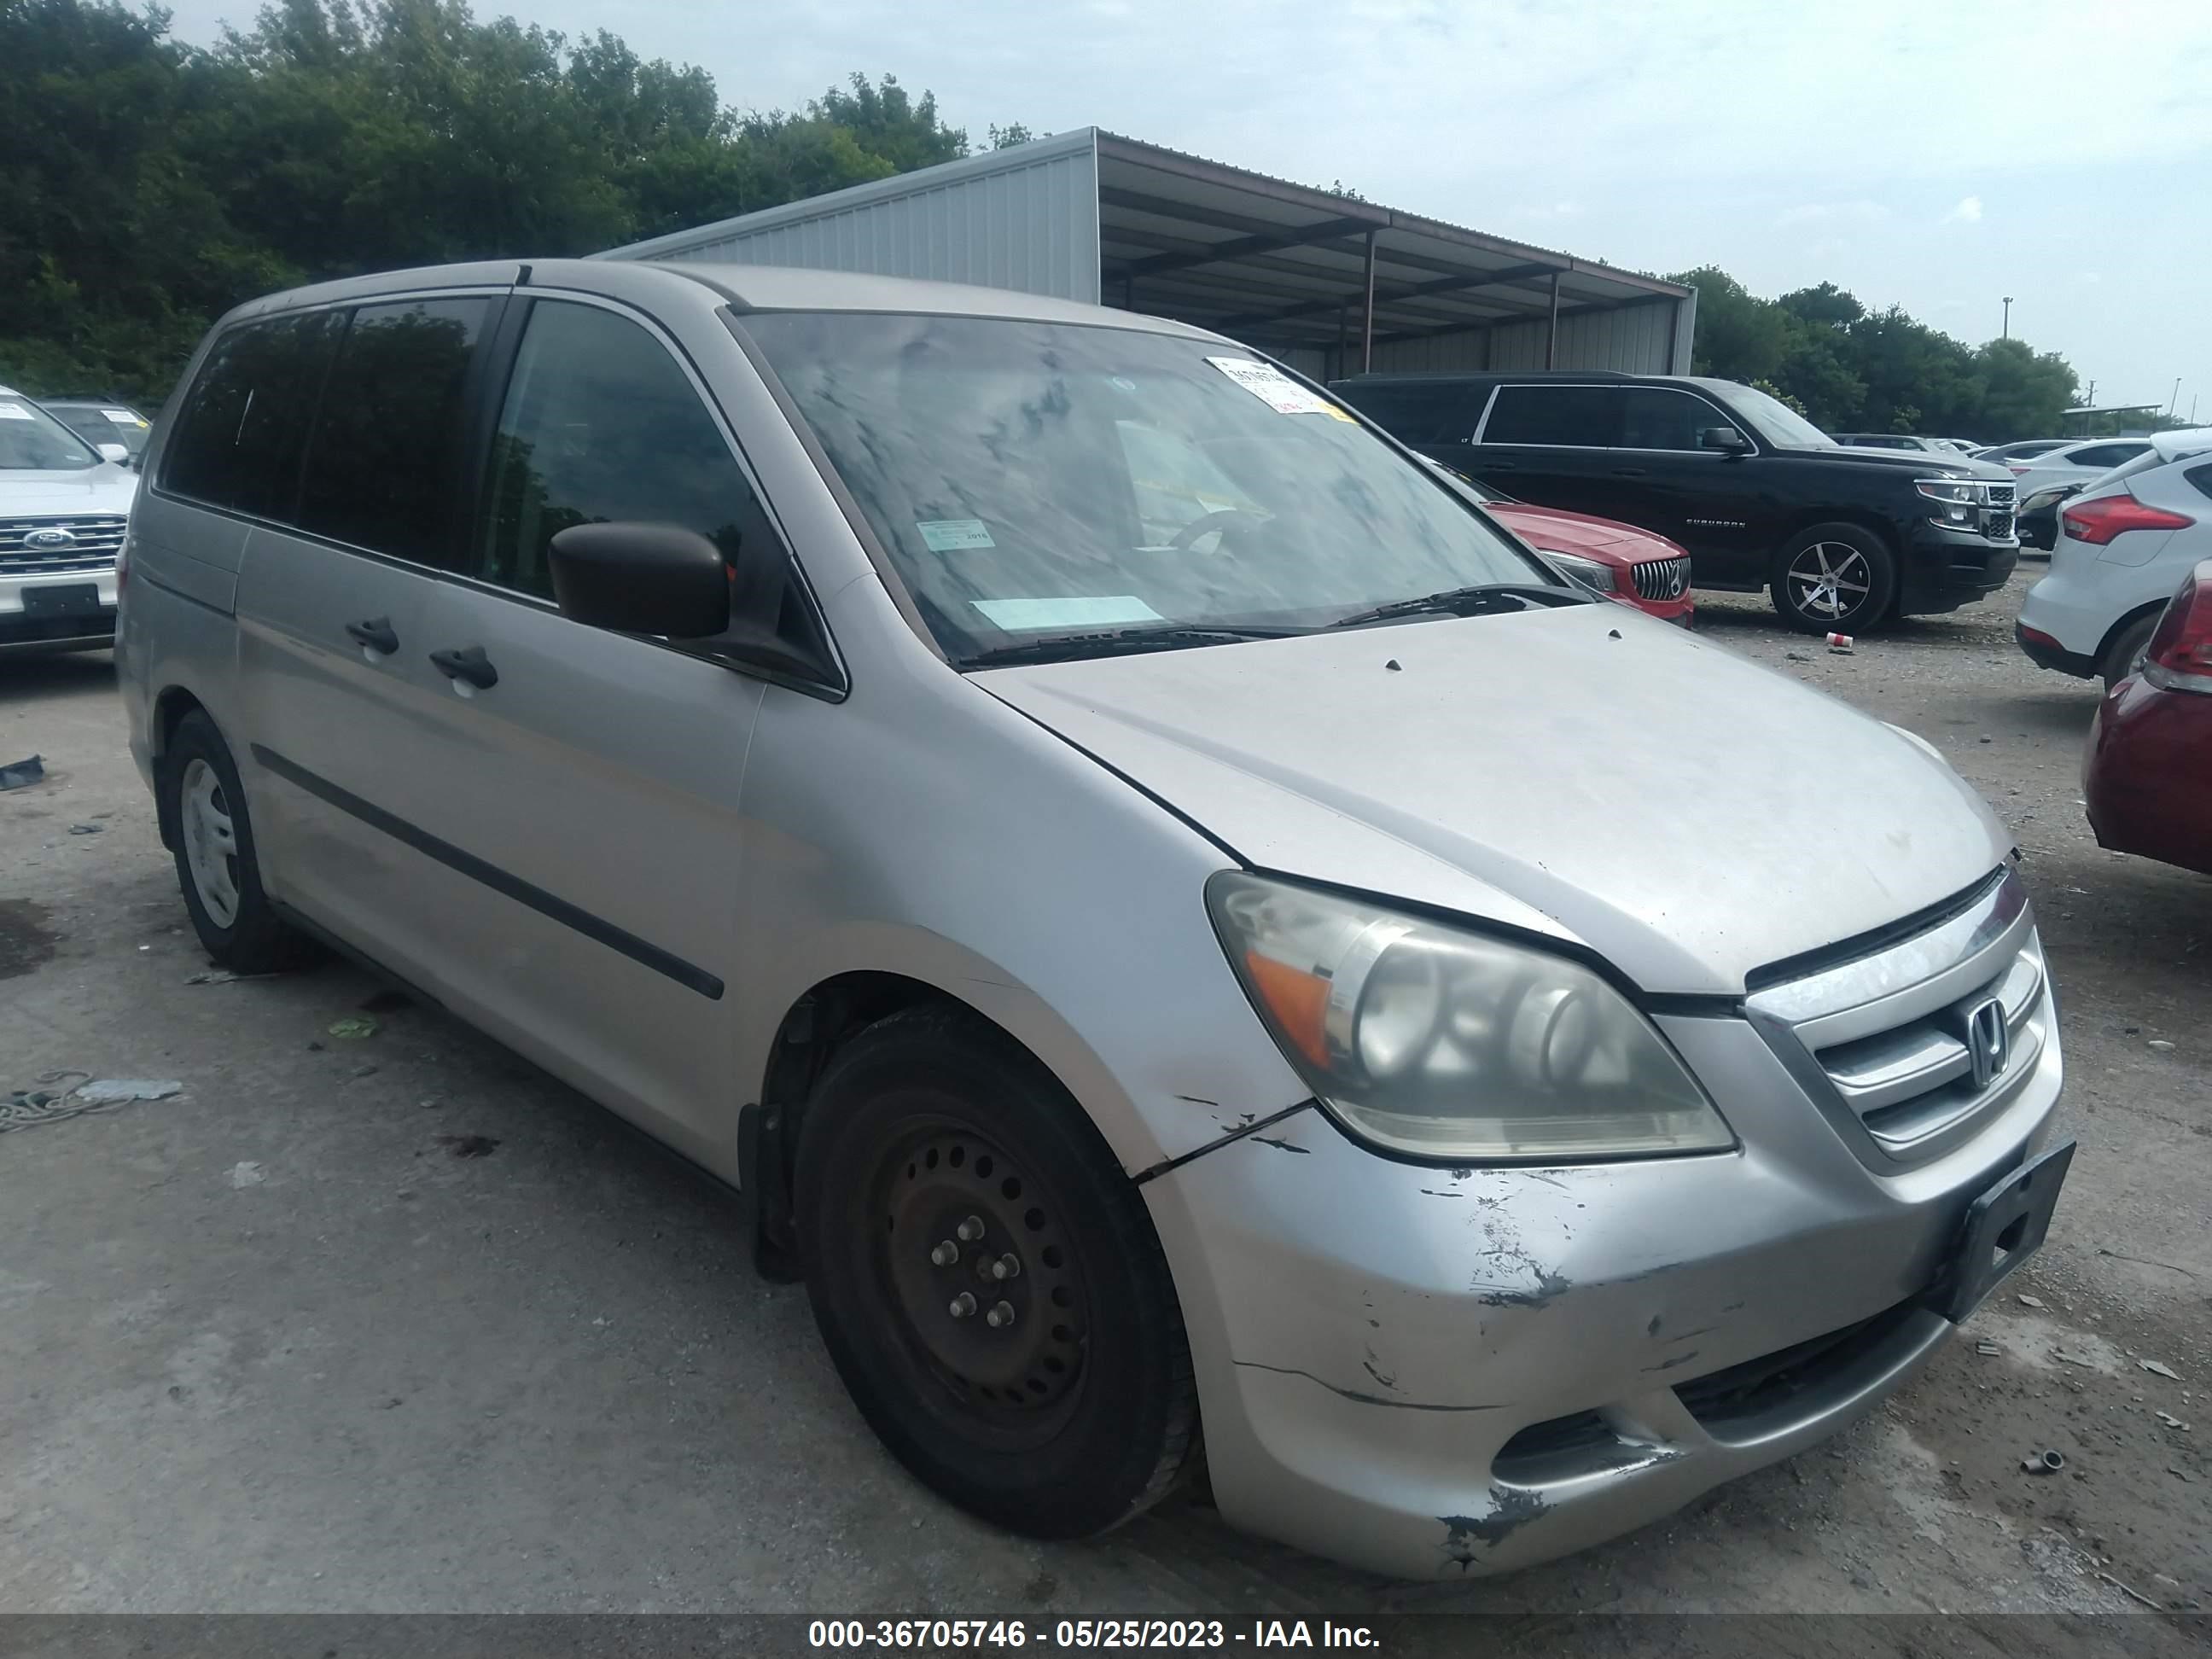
x,y
1001,1315
970,1229
944,1254
1008,1265
964,1303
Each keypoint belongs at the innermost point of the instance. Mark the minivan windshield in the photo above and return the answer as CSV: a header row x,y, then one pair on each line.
x,y
1770,418
32,441
1033,480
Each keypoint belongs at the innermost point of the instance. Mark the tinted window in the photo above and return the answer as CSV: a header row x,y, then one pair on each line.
x,y
599,424
2105,455
244,424
2200,479
1588,417
1653,417
1418,412
379,471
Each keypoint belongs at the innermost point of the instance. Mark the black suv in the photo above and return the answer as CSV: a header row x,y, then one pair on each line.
x,y
1844,539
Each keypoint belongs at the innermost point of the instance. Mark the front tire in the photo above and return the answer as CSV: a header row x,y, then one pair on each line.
x,y
987,1282
217,864
1834,578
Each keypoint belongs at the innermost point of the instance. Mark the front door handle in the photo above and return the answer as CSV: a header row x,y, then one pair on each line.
x,y
373,635
1631,472
468,664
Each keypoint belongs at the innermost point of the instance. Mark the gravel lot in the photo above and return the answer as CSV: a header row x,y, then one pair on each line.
x,y
271,1345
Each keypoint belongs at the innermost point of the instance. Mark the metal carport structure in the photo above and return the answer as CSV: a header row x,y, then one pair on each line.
x,y
1329,283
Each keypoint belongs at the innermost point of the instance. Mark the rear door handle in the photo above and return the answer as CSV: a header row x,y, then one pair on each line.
x,y
468,664
1631,472
374,635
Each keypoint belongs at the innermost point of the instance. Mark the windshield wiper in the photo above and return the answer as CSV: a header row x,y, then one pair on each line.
x,y
1468,602
1062,647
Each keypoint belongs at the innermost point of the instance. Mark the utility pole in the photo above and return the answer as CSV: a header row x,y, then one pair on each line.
x,y
2008,316
2175,398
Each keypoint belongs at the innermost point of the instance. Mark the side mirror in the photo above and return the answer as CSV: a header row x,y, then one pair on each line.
x,y
119,453
1726,439
641,579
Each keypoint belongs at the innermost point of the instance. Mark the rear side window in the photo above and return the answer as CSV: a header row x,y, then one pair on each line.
x,y
2200,479
1418,412
379,471
1583,417
599,424
1656,417
244,424
2106,454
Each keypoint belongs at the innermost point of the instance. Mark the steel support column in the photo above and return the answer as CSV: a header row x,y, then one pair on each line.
x,y
1367,318
1551,329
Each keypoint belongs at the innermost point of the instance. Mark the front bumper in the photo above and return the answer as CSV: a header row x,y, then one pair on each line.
x,y
33,617
1947,568
1426,1372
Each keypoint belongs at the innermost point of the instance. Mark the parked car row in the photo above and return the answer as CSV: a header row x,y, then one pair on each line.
x,y
1842,538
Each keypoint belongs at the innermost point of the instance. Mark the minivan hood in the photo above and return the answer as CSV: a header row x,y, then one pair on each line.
x,y
106,488
1584,772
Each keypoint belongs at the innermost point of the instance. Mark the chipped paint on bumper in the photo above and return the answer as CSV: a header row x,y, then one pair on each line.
x,y
1369,1335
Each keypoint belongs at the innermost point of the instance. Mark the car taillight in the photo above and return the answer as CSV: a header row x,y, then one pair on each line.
x,y
2097,521
2179,655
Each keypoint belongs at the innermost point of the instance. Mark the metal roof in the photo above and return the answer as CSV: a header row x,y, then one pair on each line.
x,y
1180,236
1240,252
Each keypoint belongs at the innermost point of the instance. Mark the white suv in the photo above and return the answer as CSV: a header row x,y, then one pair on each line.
x,y
62,510
2124,545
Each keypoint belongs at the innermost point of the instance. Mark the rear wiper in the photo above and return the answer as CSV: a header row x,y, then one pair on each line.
x,y
1468,602
1061,647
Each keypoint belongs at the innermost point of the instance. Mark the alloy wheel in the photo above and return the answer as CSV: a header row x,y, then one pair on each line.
x,y
1829,580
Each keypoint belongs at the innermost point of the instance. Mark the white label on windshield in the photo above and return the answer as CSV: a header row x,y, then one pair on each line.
x,y
122,417
1105,611
14,412
950,535
1274,388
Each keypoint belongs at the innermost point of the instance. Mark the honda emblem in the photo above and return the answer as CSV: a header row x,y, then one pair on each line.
x,y
1988,1042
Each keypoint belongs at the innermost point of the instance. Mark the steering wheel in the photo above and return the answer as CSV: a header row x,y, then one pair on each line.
x,y
1205,523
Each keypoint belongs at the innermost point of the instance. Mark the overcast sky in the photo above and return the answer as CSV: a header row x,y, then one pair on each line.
x,y
1937,154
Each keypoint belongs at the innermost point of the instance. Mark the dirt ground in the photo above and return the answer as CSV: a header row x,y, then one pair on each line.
x,y
279,1343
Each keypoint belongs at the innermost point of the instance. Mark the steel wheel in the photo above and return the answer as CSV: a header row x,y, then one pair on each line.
x,y
1829,580
210,842
987,1285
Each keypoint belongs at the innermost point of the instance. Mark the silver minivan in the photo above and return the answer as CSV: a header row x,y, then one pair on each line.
x,y
1204,952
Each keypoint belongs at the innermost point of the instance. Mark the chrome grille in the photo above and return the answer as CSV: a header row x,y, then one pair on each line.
x,y
1661,579
1892,1036
2004,494
92,545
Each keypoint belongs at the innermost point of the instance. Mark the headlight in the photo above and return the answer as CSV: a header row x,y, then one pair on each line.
x,y
1589,572
1442,1043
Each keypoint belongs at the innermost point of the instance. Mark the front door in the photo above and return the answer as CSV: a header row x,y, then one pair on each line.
x,y
591,780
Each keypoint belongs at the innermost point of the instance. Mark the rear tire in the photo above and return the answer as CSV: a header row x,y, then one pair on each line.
x,y
2117,660
1834,578
218,866
1056,1400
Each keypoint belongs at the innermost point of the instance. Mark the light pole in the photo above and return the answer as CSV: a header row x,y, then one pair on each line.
x,y
2175,398
2008,316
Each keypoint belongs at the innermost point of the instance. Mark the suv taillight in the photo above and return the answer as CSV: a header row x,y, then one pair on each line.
x,y
2179,655
2097,521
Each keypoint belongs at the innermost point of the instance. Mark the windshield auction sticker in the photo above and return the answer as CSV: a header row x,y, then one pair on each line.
x,y
1274,388
14,412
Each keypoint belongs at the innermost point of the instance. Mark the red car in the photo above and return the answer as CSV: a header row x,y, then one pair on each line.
x,y
1635,567
2148,773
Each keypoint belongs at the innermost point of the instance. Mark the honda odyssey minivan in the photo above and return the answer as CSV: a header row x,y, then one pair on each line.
x,y
1124,869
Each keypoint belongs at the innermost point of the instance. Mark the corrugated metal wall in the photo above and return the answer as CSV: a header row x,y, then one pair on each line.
x,y
1031,225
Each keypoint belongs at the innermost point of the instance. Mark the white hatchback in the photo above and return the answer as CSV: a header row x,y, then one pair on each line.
x,y
2124,545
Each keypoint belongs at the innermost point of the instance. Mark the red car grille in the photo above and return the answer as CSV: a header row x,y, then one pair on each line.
x,y
1661,579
